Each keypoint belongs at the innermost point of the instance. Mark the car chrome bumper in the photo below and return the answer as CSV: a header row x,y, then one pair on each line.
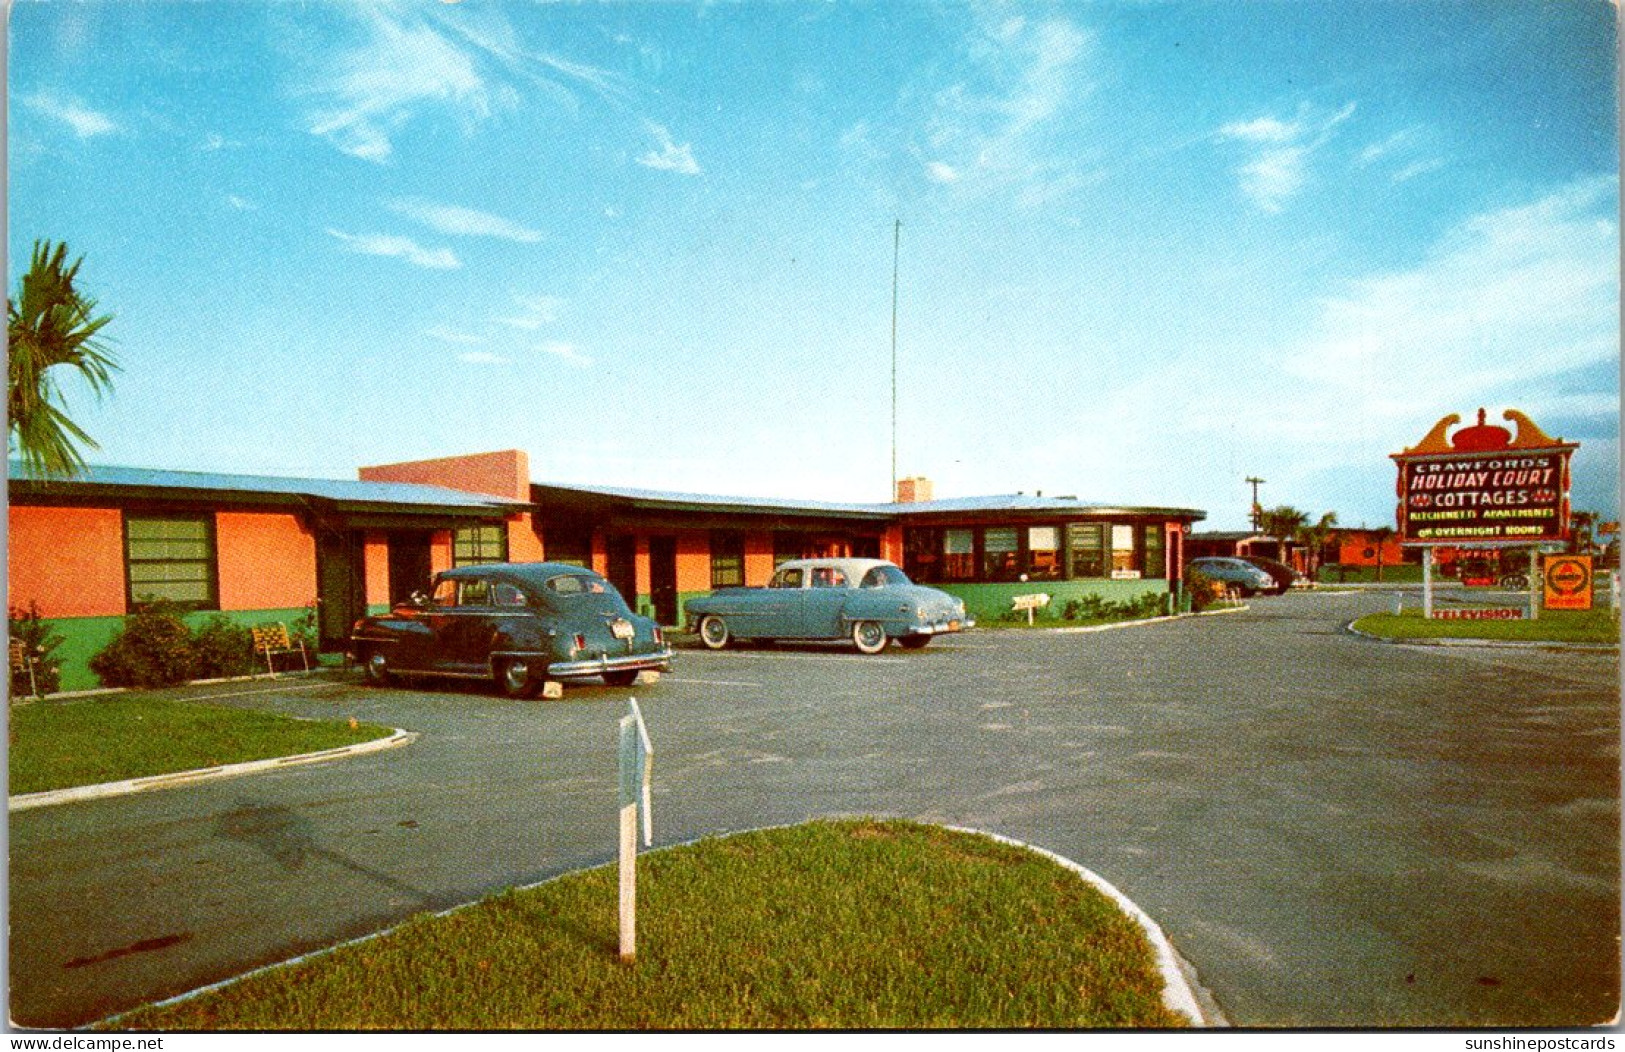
x,y
660,662
938,628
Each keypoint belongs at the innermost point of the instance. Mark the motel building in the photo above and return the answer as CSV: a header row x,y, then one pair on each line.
x,y
263,549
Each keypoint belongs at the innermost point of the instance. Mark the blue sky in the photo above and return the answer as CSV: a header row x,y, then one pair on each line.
x,y
1148,249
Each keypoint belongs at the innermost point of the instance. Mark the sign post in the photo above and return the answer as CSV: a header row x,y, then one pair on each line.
x,y
637,764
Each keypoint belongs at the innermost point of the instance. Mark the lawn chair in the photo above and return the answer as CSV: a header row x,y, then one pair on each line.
x,y
22,660
274,639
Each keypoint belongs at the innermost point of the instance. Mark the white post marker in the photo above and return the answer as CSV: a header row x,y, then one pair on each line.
x,y
637,764
1427,582
1537,583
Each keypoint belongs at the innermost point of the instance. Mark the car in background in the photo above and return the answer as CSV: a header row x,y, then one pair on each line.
x,y
868,601
519,625
1239,577
1283,575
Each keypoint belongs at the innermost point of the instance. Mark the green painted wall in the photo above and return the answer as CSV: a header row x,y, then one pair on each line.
x,y
989,603
84,637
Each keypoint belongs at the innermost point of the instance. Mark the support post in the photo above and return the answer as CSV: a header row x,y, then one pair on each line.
x,y
1536,583
1427,582
629,883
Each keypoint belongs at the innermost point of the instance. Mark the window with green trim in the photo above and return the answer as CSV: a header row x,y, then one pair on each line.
x,y
1000,552
1154,563
171,557
479,544
727,559
1087,542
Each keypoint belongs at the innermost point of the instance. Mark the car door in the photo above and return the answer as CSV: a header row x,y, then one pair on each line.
x,y
823,602
772,612
460,623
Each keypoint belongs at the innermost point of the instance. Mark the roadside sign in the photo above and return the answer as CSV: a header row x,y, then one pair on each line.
x,y
1504,613
636,767
1568,582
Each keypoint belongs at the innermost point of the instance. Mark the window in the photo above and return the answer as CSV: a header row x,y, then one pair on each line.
x,y
1125,562
1087,543
828,577
577,584
922,553
881,576
506,595
727,559
571,547
1044,553
786,579
958,555
462,591
1155,564
479,544
999,551
172,558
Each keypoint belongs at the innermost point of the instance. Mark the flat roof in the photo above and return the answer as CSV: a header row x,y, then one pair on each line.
x,y
340,491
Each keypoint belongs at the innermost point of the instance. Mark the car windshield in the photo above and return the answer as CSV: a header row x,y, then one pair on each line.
x,y
881,576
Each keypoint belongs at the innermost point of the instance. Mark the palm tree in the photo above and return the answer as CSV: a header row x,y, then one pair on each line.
x,y
1381,535
51,324
1282,523
1314,538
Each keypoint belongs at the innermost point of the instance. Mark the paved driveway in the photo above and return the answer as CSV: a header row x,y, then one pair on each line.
x,y
1334,832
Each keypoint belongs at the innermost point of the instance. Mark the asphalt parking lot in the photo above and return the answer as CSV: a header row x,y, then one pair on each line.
x,y
1334,832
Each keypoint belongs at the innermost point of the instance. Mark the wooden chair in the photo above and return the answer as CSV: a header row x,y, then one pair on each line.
x,y
274,639
21,659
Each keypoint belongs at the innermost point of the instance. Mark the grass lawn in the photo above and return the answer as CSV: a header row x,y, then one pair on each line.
x,y
1554,626
851,924
1394,573
85,741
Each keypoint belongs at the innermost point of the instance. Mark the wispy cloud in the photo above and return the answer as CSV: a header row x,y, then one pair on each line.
x,y
567,351
1280,149
1405,154
993,127
85,122
447,334
240,203
668,155
468,222
535,311
398,247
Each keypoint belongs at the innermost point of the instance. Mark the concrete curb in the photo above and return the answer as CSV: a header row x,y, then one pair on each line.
x,y
1178,994
202,774
1145,621
1503,644
102,691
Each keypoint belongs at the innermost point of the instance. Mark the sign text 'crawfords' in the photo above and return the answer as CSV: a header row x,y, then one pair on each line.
x,y
1483,485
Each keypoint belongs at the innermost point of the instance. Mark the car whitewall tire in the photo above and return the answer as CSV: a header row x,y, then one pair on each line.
x,y
713,631
869,637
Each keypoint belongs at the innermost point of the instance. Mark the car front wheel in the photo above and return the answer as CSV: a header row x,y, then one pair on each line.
x,y
713,631
376,665
517,679
870,637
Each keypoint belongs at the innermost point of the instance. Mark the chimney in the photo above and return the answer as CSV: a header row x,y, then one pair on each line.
x,y
913,490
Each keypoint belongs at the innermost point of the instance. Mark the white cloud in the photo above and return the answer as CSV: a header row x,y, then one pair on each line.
x,y
399,247
241,204
536,311
452,219
992,129
447,334
373,90
669,157
1278,166
85,122
567,351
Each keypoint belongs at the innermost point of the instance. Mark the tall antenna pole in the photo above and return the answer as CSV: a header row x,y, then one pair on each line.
x,y
896,242
1256,511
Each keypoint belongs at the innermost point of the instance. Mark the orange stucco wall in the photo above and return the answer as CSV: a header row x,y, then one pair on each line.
x,y
69,560
694,561
524,542
440,551
758,558
503,474
640,565
891,544
376,555
267,561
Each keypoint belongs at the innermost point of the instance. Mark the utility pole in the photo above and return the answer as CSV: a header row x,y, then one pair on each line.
x,y
896,242
1257,511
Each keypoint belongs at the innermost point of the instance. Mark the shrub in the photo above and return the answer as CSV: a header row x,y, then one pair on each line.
x,y
1204,590
222,648
154,649
34,633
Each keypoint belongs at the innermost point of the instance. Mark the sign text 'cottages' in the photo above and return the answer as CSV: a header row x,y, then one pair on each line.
x,y
1483,485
